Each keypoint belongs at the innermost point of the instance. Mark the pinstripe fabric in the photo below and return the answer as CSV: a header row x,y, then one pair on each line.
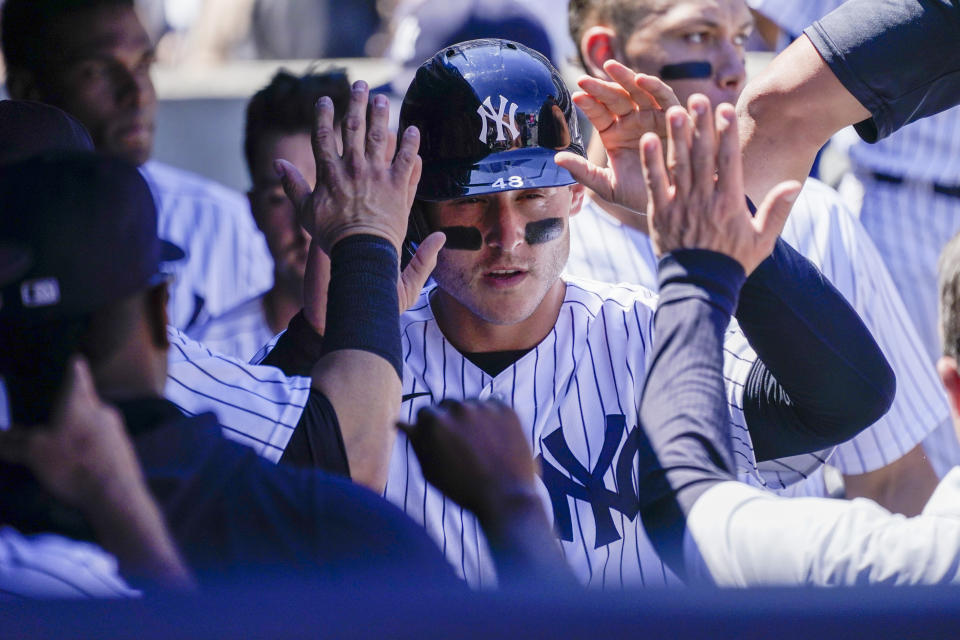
x,y
227,260
51,566
822,229
240,332
256,405
909,224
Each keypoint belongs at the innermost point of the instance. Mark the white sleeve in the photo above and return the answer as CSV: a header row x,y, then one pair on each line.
x,y
746,537
51,566
256,405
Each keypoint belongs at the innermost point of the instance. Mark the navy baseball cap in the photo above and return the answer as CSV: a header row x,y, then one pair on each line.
x,y
29,128
78,230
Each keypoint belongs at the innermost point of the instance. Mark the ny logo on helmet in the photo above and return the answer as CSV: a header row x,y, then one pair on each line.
x,y
487,112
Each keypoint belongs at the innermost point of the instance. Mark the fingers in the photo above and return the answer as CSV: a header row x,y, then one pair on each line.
x,y
406,161
654,172
703,151
729,164
775,209
658,89
355,126
378,134
296,188
678,150
613,96
627,79
324,141
598,115
418,271
586,173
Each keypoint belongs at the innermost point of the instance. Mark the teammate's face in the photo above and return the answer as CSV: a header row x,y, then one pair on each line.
x,y
272,210
713,31
506,280
102,77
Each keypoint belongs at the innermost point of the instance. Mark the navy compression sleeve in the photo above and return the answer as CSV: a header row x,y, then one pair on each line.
x,y
683,411
821,378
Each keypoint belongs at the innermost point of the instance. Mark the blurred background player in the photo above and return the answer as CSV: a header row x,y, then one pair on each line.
x,y
906,189
698,46
92,58
279,120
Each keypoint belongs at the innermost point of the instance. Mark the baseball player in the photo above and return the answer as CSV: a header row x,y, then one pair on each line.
x,y
92,58
746,537
279,119
701,49
569,355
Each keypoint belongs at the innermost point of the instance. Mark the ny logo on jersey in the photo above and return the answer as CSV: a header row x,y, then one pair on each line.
x,y
487,112
588,485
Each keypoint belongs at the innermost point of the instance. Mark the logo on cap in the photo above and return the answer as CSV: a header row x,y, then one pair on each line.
x,y
42,292
487,112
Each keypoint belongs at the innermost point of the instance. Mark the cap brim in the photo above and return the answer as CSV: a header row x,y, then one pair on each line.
x,y
170,252
531,168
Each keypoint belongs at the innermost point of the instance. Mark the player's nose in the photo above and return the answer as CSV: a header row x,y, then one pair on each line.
x,y
506,225
731,72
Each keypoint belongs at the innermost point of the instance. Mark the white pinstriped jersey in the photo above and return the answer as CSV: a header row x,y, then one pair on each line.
x,y
50,566
240,332
577,394
824,231
227,259
256,405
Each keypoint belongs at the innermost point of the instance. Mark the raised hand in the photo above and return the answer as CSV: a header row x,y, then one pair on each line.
x,y
476,453
621,111
84,454
364,190
696,199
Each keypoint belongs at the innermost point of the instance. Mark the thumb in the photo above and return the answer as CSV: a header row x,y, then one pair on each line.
x,y
294,184
775,208
586,173
421,266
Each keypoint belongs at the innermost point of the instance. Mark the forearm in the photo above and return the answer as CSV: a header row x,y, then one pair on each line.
x,y
523,544
821,377
787,113
128,524
684,409
903,486
361,368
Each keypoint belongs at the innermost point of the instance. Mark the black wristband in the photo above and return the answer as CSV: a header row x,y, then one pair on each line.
x,y
362,305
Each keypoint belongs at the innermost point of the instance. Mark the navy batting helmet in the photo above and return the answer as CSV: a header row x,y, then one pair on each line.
x,y
491,115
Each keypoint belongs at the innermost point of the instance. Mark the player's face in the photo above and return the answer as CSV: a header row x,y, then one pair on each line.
x,y
506,280
713,31
273,211
102,77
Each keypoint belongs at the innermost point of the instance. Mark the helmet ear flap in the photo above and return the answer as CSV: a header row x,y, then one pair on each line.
x,y
417,230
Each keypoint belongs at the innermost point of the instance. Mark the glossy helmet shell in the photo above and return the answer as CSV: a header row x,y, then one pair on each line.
x,y
491,113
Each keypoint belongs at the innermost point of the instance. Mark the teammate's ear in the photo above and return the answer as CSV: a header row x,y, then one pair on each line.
x,y
577,192
597,45
950,377
157,299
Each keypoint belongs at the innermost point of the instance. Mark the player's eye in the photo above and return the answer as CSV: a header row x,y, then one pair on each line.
x,y
90,70
740,39
697,37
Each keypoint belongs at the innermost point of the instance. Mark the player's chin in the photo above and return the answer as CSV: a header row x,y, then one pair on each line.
x,y
135,151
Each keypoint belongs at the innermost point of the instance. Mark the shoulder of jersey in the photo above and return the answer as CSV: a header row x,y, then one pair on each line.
x,y
175,182
594,294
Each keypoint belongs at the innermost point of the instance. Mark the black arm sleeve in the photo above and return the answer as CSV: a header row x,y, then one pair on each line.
x,y
298,349
684,411
820,378
899,59
316,441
